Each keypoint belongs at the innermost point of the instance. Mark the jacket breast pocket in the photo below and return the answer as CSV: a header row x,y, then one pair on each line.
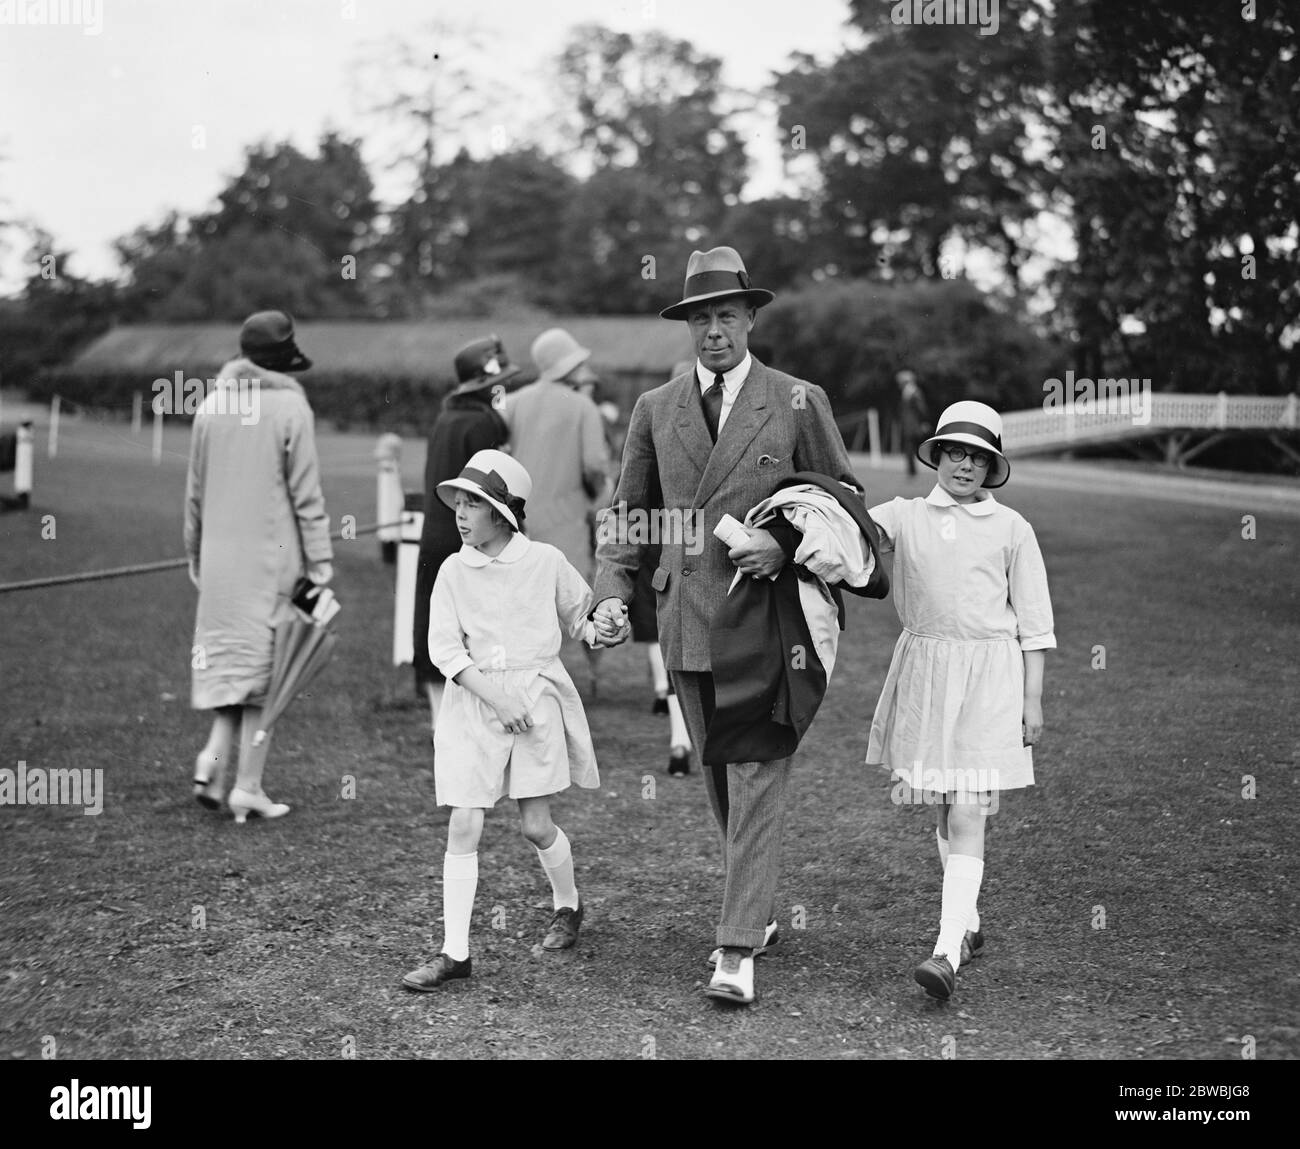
x,y
660,579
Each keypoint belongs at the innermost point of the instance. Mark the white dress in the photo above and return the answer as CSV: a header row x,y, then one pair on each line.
x,y
502,615
970,589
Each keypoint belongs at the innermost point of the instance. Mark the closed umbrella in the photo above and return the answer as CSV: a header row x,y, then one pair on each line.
x,y
302,649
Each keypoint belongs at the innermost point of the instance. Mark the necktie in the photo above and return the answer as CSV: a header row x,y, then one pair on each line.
x,y
713,406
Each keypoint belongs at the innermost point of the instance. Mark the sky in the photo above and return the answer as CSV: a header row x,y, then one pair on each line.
x,y
131,107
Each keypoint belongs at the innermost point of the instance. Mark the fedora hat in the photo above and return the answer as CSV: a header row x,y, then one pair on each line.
x,y
976,425
715,274
267,339
497,477
555,353
482,363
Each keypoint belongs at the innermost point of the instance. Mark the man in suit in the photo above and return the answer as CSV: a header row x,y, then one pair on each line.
x,y
710,442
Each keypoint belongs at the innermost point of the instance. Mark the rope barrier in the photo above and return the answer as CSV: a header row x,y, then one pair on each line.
x,y
151,568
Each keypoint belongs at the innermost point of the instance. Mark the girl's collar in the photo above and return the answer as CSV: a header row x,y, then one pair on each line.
x,y
512,552
985,503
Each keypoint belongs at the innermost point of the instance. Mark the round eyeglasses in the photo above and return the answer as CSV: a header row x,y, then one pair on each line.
x,y
979,459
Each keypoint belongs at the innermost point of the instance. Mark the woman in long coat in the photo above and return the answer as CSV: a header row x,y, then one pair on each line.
x,y
255,522
468,423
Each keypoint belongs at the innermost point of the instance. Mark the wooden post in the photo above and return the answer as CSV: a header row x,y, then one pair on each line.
x,y
873,436
23,463
137,420
53,448
389,498
408,561
157,437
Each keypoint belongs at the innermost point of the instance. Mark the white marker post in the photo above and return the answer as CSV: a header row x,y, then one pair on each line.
x,y
389,499
408,563
53,448
23,452
873,437
157,436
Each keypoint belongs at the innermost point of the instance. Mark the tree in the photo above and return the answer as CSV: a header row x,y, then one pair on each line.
x,y
55,315
498,219
1180,151
924,134
433,93
666,164
290,231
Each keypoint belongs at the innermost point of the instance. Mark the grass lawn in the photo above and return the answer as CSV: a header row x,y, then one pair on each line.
x,y
1137,905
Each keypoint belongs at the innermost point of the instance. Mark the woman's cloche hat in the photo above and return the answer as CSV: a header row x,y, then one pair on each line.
x,y
496,477
482,363
976,425
267,339
715,274
555,353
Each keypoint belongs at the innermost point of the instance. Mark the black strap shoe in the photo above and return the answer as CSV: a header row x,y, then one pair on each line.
x,y
565,924
937,977
441,969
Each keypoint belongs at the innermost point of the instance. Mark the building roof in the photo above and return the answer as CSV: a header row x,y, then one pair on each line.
x,y
632,344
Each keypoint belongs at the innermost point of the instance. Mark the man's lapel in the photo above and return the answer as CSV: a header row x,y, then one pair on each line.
x,y
691,427
744,420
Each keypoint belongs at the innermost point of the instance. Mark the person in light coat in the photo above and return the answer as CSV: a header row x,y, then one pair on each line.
x,y
255,523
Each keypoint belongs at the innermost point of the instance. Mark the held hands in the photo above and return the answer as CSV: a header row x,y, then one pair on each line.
x,y
759,556
320,573
611,622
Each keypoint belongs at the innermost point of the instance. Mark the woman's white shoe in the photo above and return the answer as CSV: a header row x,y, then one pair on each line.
x,y
244,802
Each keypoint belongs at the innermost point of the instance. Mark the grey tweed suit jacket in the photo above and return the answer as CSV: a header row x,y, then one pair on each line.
x,y
778,425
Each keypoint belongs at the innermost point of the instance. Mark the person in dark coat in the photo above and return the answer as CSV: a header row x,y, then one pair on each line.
x,y
468,423
913,416
764,702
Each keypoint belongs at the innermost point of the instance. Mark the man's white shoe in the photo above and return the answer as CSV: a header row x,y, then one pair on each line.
x,y
733,980
770,938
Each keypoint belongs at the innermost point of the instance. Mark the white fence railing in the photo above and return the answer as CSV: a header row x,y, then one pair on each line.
x,y
1066,423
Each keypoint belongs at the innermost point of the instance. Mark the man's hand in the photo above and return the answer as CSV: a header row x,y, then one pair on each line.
x,y
320,573
760,556
612,625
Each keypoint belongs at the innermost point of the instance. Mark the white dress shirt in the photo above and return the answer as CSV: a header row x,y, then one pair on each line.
x,y
732,381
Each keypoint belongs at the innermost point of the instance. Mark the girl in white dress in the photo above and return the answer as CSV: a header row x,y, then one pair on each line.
x,y
511,722
962,702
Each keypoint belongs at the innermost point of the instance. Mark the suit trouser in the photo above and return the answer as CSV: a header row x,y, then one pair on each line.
x,y
748,800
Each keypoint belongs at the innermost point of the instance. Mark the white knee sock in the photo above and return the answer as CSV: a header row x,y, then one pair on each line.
x,y
677,725
961,886
974,923
459,884
557,861
657,672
